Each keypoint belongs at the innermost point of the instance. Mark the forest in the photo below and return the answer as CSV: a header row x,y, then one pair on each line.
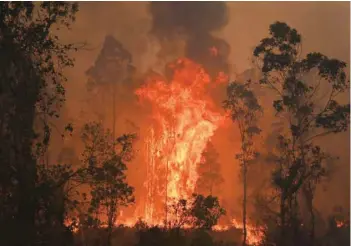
x,y
142,162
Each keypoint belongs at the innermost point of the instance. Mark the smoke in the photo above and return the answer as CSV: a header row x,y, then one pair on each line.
x,y
194,24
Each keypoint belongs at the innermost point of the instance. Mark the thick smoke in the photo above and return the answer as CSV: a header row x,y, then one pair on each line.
x,y
194,23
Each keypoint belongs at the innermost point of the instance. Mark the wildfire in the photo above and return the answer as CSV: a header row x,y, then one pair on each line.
x,y
184,120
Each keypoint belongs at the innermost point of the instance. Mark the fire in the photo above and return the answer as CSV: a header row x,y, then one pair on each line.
x,y
254,234
184,120
213,51
341,223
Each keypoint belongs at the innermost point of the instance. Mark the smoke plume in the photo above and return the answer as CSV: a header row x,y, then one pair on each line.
x,y
194,24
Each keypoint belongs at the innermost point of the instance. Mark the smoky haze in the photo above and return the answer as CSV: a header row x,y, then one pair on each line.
x,y
157,33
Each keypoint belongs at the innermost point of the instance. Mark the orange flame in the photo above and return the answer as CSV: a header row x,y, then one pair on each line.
x,y
254,234
185,119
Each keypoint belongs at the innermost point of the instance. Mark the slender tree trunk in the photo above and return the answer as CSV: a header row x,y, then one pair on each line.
x,y
110,223
114,110
282,220
308,194
244,201
211,182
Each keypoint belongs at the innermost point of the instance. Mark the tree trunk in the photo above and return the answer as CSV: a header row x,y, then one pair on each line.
x,y
21,127
114,111
308,194
109,227
282,220
244,203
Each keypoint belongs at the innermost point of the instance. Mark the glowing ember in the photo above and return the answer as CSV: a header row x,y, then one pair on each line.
x,y
185,119
340,223
213,51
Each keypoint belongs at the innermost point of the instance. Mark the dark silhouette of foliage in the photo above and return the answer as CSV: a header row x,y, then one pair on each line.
x,y
244,110
209,171
106,159
300,162
198,212
31,91
206,211
109,74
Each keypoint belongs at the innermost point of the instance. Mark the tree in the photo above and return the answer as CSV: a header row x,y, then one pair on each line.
x,y
106,159
112,69
198,212
244,109
209,171
31,82
297,82
206,211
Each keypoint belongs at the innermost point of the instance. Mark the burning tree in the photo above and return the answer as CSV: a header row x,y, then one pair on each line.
x,y
208,171
297,82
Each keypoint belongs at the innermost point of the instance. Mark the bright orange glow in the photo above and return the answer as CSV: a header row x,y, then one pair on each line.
x,y
254,234
184,120
222,78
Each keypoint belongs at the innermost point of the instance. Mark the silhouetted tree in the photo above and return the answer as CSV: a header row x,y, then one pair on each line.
x,y
300,162
244,110
206,211
209,171
198,212
106,160
31,90
110,72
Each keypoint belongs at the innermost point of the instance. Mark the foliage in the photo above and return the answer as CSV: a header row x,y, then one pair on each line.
x,y
298,82
199,212
31,86
111,71
106,159
209,171
244,110
111,64
206,211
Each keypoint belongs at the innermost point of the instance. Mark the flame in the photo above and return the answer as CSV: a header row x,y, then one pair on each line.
x,y
341,223
184,121
184,118
213,51
254,234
